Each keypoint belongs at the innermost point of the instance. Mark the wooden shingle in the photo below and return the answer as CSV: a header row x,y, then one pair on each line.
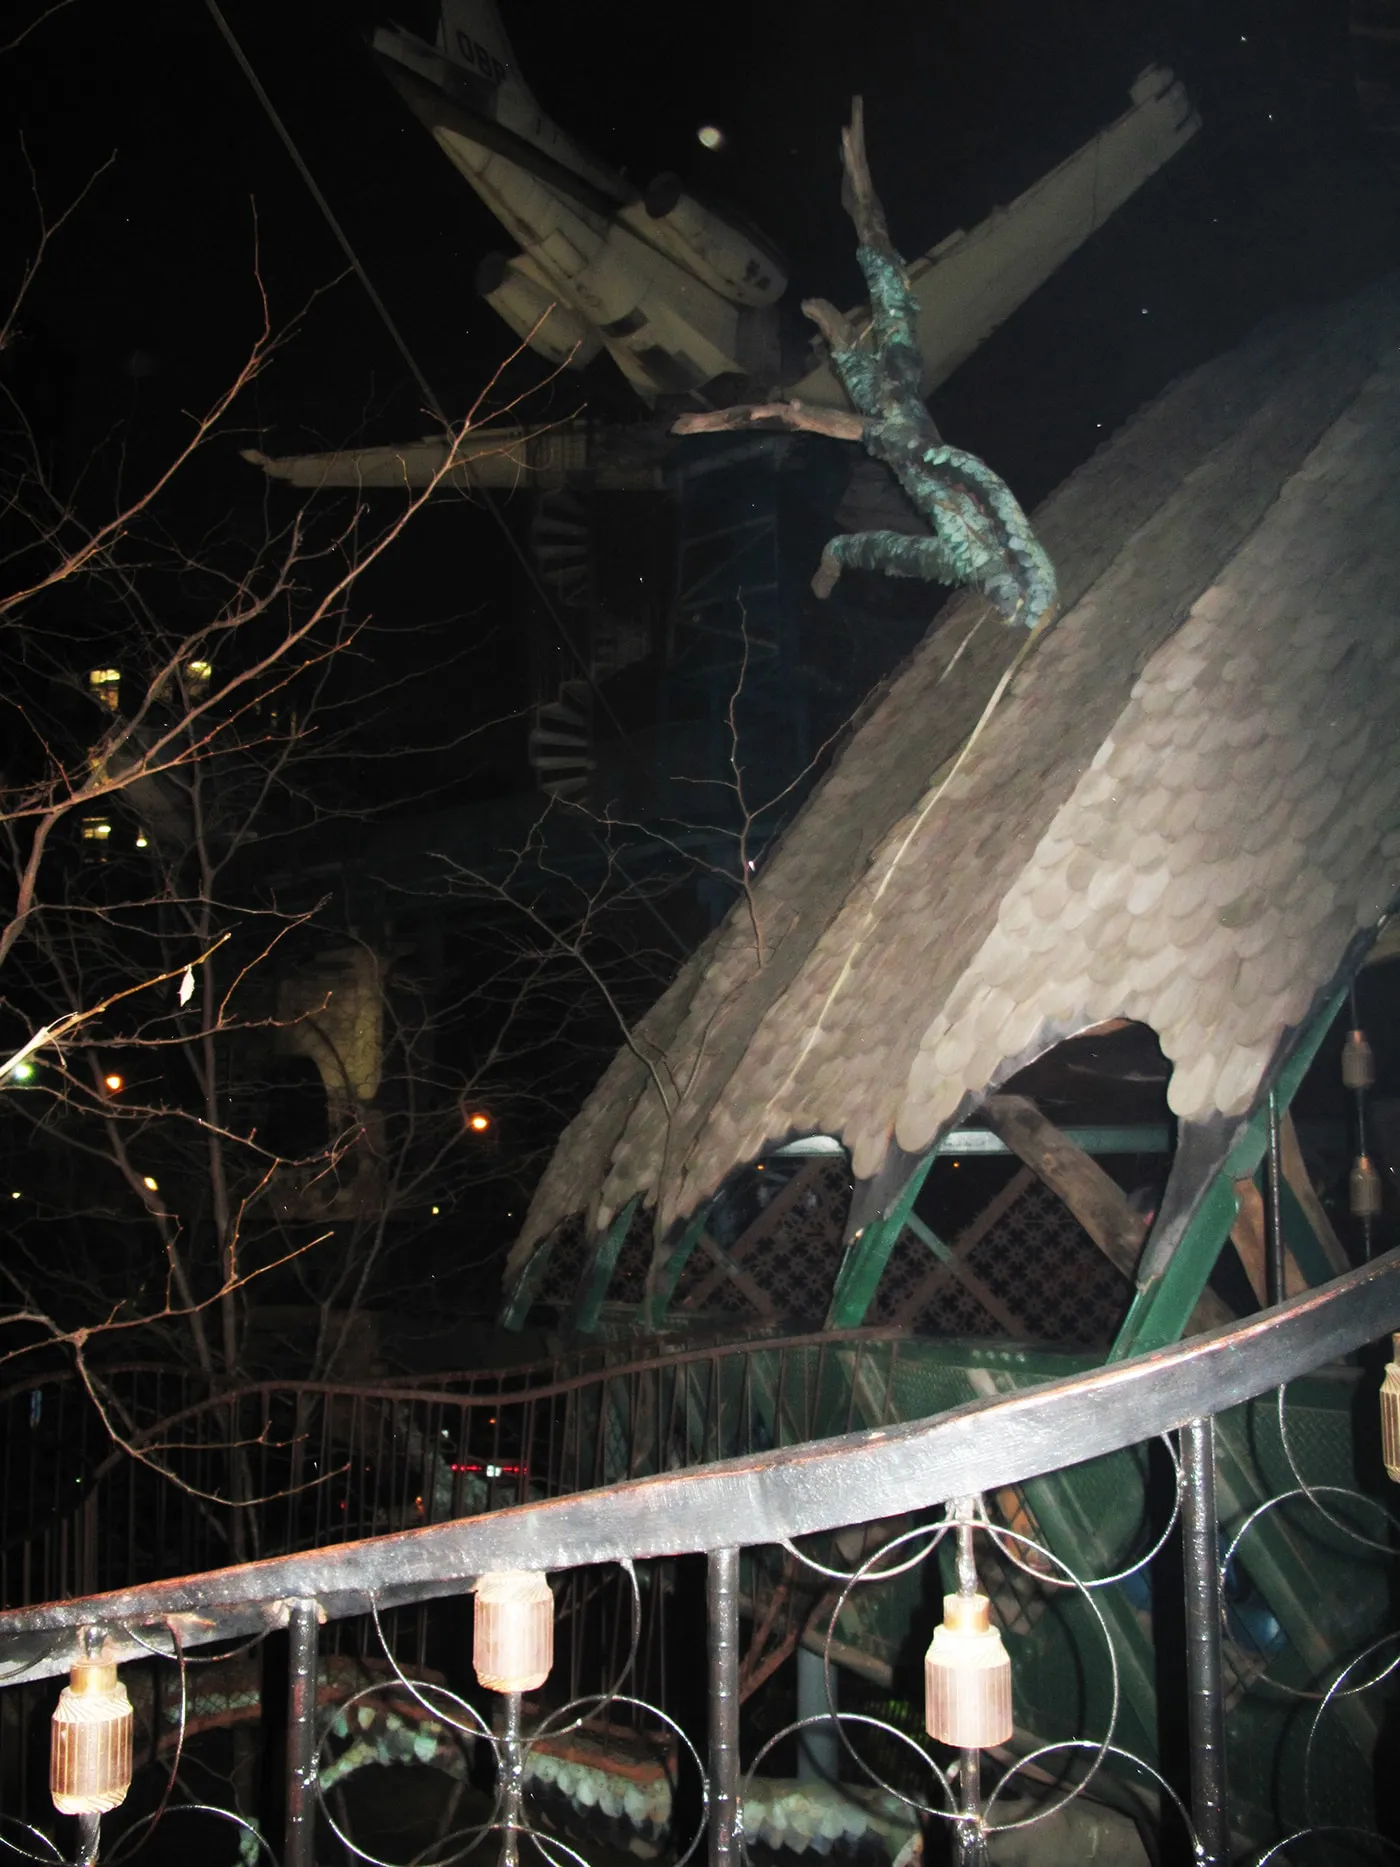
x,y
1184,809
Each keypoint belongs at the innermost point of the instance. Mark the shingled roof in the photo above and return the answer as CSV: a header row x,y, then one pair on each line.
x,y
1184,808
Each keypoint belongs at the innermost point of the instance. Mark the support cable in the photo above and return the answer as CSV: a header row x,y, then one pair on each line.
x,y
1360,1095
400,342
303,169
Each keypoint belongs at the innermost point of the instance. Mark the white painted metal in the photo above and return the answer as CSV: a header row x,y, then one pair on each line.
x,y
972,282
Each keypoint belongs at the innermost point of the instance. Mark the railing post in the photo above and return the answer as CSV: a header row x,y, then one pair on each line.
x,y
722,1601
512,1781
1276,1281
302,1631
1205,1697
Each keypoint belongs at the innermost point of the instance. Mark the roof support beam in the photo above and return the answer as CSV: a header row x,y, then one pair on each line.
x,y
598,1271
956,1267
1163,1305
1099,1203
670,1260
869,1252
756,1233
517,1304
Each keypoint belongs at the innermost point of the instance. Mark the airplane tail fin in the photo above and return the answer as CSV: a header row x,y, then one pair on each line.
x,y
485,78
471,35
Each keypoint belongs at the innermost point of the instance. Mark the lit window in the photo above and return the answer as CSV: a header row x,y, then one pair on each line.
x,y
96,829
105,686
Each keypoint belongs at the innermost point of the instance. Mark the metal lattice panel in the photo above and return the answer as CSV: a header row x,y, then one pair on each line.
x,y
922,1291
798,1265
1033,1273
784,1262
629,1278
725,1295
908,1266
567,1252
955,1311
1044,1266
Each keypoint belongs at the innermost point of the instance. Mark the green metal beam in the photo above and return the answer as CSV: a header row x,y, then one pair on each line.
x,y
1143,1138
869,1252
1161,1309
598,1271
968,1143
517,1304
666,1271
867,1255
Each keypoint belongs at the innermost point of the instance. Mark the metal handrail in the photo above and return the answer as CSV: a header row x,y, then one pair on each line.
x,y
763,1498
484,1396
163,1489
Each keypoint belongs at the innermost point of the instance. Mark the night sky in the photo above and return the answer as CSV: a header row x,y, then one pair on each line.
x,y
966,104
149,298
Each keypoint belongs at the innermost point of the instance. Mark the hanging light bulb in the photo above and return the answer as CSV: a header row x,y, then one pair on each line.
x,y
90,1747
1358,1062
1364,1188
513,1630
967,1678
1390,1414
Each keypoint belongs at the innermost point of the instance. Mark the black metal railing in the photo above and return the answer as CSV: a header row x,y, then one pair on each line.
x,y
282,1465
765,1499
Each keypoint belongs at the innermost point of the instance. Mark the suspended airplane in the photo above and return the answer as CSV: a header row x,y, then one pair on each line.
x,y
683,296
680,294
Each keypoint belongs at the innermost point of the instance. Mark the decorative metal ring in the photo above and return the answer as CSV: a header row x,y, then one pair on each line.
x,y
995,1530
1310,1492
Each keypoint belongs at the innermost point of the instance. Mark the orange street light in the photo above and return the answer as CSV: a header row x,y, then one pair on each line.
x,y
114,1083
478,1123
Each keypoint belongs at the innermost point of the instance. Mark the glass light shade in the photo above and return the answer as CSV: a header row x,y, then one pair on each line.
x,y
967,1678
90,1742
1358,1064
513,1630
1364,1188
1390,1416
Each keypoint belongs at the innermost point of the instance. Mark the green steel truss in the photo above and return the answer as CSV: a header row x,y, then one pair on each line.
x,y
1161,1307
